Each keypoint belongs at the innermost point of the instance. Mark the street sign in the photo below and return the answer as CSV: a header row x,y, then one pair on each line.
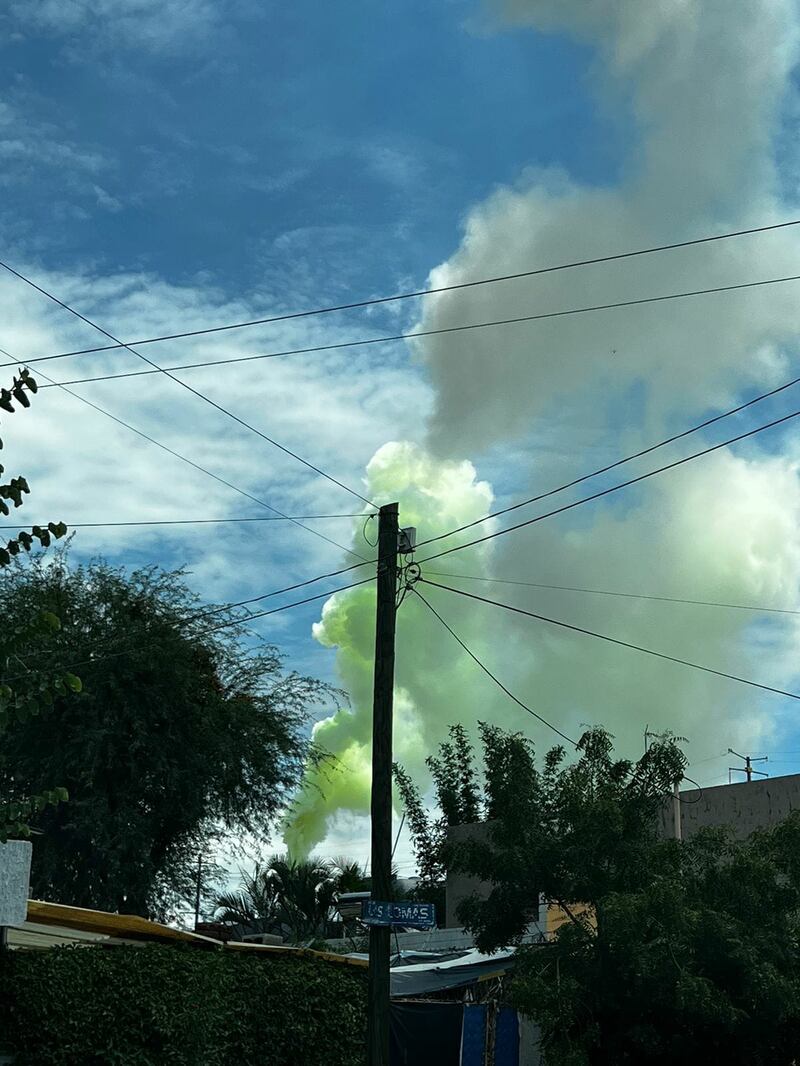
x,y
15,871
406,913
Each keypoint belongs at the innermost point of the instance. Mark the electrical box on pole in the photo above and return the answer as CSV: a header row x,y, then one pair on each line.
x,y
389,544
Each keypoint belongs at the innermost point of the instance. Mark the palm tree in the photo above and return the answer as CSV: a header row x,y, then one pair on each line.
x,y
293,898
350,875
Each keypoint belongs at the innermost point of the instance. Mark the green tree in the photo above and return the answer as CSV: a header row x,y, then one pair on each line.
x,y
293,898
350,875
25,689
182,733
459,802
672,951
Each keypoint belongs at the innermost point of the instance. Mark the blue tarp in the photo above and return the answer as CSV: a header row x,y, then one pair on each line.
x,y
506,1039
473,1042
452,1034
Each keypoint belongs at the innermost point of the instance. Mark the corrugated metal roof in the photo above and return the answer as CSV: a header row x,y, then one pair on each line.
x,y
63,924
470,968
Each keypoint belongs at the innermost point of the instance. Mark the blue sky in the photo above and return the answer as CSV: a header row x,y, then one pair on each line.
x,y
181,163
288,156
356,129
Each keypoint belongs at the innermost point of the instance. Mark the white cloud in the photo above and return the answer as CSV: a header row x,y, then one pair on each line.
x,y
157,26
707,83
333,410
39,156
106,200
43,152
398,165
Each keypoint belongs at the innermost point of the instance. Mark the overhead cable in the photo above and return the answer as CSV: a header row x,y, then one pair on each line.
x,y
208,611
618,462
489,673
188,461
197,521
373,301
404,336
612,488
184,385
286,606
212,629
623,595
613,640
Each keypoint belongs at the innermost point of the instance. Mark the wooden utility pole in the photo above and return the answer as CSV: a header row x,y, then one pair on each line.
x,y
381,800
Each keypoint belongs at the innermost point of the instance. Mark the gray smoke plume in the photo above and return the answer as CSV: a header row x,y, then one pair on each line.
x,y
536,405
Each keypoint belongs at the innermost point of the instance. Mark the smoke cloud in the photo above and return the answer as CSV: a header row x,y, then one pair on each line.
x,y
708,84
434,495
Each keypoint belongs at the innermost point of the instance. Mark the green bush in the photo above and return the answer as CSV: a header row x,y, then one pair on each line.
x,y
137,1006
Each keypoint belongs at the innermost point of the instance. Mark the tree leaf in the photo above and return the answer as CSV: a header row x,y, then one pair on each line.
x,y
73,683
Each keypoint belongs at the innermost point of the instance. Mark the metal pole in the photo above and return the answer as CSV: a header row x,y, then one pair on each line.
x,y
676,810
381,799
197,894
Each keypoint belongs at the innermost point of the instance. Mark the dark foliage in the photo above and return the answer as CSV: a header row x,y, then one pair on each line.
x,y
24,688
179,734
671,951
291,897
152,1005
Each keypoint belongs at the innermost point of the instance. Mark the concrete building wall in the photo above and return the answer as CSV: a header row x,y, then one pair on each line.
x,y
745,806
423,940
454,939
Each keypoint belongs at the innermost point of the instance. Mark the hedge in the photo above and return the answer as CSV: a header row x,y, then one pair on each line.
x,y
137,1006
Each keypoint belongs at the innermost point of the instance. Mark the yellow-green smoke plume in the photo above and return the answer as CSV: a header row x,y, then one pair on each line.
x,y
434,496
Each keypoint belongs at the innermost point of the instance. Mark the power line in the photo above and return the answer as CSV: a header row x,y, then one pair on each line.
x,y
619,462
196,521
699,788
402,336
286,606
614,640
489,673
213,629
279,592
188,461
710,758
373,301
612,488
623,595
195,392
209,611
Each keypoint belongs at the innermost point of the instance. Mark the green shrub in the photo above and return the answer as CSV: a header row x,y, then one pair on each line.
x,y
137,1006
